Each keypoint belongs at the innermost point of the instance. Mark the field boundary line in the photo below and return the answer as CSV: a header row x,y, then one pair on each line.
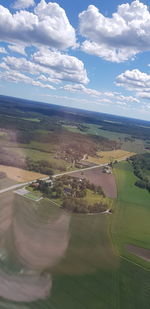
x,y
127,259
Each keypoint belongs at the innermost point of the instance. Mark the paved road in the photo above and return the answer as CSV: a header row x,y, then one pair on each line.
x,y
17,186
14,187
80,170
56,175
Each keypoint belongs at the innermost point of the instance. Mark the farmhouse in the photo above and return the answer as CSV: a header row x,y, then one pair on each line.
x,y
107,170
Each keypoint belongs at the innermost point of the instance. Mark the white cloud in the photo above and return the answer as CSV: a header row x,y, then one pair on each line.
x,y
48,26
83,89
120,37
3,50
105,97
23,4
135,80
14,76
20,49
127,99
69,67
50,66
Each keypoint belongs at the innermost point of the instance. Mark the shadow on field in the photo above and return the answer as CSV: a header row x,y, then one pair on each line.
x,y
29,248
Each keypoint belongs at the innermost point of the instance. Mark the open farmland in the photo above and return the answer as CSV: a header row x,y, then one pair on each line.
x,y
20,175
30,241
36,154
130,222
6,182
86,273
140,252
98,178
52,259
104,157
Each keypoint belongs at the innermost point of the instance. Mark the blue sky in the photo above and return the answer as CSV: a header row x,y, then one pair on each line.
x,y
92,55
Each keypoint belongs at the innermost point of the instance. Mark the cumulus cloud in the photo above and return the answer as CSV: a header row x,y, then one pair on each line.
x,y
10,75
48,26
49,67
67,67
23,4
135,80
120,37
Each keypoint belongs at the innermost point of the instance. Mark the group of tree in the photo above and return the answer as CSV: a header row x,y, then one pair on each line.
x,y
141,166
40,166
78,205
72,192
76,187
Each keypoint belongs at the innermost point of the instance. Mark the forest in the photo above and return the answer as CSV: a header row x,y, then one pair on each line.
x,y
141,166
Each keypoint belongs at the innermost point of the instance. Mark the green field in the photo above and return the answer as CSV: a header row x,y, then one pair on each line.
x,y
95,129
91,274
92,197
130,223
32,196
32,119
37,155
136,145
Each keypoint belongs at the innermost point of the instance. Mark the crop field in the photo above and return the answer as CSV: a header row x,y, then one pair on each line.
x,y
38,155
92,198
32,196
20,175
6,182
109,156
32,119
133,145
96,176
140,252
51,258
137,145
130,223
96,130
65,261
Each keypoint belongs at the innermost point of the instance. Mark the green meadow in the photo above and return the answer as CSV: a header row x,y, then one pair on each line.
x,y
130,222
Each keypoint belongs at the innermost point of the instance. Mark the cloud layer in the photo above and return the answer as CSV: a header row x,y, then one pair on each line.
x,y
102,96
120,37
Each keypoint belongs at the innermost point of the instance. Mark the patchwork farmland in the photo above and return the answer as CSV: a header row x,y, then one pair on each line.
x,y
104,157
98,177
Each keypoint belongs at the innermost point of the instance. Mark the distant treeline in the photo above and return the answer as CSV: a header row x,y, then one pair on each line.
x,y
50,114
141,165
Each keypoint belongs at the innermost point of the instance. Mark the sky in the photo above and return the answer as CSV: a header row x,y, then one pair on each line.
x,y
93,55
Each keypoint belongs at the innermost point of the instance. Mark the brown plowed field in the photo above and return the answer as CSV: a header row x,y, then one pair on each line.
x,y
97,177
